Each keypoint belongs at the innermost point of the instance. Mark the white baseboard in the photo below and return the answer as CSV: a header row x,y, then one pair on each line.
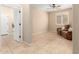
x,y
52,31
43,32
39,33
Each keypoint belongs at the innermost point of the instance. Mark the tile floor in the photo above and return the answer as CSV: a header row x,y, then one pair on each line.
x,y
41,43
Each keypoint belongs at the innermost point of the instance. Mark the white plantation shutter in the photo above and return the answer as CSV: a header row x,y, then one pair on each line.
x,y
65,19
59,20
62,19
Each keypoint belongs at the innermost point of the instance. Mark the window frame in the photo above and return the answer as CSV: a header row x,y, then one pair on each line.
x,y
62,19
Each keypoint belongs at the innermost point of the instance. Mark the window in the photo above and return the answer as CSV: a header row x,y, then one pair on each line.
x,y
59,20
62,19
65,19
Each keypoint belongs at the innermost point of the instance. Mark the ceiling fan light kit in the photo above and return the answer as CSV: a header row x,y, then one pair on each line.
x,y
54,5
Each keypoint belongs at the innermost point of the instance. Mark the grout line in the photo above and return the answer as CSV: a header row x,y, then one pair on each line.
x,y
8,46
10,49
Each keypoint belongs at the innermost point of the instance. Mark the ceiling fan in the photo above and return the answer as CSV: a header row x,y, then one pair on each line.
x,y
54,6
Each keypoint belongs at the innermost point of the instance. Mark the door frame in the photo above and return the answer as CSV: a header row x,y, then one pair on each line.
x,y
14,8
21,23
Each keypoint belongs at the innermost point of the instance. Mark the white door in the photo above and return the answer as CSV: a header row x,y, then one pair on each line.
x,y
4,24
17,25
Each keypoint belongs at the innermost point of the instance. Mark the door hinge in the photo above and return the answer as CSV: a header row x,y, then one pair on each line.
x,y
19,11
19,36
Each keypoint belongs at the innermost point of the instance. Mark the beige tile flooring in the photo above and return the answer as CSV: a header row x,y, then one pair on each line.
x,y
41,43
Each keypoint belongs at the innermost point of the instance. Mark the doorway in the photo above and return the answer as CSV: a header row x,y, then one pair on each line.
x,y
10,22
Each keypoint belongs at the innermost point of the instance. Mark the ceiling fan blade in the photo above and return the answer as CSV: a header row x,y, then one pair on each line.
x,y
54,5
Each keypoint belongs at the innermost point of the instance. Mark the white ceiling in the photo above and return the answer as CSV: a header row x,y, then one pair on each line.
x,y
46,7
12,5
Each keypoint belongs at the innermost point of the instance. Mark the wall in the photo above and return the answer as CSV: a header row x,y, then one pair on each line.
x,y
52,23
9,13
26,21
39,20
76,28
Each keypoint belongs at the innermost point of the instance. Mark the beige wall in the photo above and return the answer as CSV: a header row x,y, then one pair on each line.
x,y
9,13
26,21
39,20
52,21
76,28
